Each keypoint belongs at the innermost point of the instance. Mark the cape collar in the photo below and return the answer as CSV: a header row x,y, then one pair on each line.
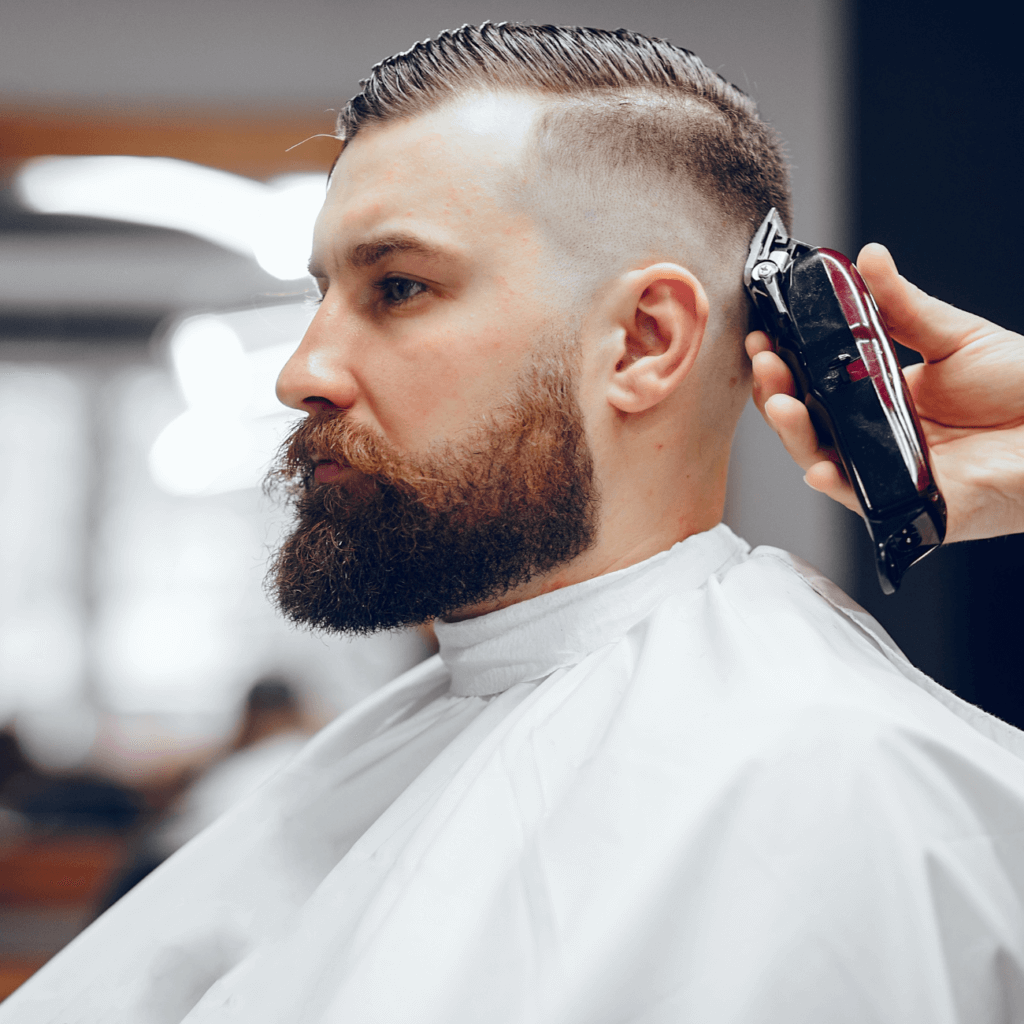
x,y
528,641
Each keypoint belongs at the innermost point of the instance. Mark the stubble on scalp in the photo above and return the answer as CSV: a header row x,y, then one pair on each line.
x,y
421,537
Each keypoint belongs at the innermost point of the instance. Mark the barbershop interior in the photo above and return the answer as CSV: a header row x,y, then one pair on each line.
x,y
161,166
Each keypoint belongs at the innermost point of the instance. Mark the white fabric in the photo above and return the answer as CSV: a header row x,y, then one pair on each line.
x,y
705,789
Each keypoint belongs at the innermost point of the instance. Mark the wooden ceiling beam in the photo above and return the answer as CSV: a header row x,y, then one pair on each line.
x,y
250,143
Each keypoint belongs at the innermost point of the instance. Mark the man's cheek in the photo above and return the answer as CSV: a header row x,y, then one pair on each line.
x,y
434,411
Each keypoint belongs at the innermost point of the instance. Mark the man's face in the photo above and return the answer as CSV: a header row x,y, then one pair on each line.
x,y
434,290
444,462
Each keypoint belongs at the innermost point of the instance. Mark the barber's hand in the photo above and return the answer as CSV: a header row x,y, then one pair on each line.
x,y
969,393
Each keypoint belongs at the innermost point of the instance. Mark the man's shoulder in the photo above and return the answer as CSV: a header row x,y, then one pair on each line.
x,y
802,616
771,640
771,612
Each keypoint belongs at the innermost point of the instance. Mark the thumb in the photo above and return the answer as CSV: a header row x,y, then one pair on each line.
x,y
913,317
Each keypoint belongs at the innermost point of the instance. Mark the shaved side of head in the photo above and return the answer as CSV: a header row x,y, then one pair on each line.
x,y
621,181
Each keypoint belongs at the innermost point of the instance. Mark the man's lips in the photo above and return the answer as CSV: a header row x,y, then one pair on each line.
x,y
327,472
340,474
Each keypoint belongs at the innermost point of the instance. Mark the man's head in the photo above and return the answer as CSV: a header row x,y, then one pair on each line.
x,y
527,365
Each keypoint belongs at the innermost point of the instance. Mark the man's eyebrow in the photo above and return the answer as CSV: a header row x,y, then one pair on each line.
x,y
367,254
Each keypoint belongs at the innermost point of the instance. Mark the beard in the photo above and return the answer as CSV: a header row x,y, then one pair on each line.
x,y
413,539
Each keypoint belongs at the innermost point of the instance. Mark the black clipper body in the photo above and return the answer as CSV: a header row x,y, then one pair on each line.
x,y
816,308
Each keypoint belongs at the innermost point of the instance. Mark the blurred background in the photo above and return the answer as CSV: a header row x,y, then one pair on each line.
x,y
150,293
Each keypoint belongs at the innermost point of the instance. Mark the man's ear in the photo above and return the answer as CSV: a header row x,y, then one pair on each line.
x,y
662,316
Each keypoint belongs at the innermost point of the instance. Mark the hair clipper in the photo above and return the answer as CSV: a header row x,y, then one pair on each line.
x,y
816,308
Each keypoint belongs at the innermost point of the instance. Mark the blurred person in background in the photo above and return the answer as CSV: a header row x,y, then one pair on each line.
x,y
651,775
60,802
13,765
272,730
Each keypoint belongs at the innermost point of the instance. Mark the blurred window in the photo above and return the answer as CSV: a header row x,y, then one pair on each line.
x,y
137,599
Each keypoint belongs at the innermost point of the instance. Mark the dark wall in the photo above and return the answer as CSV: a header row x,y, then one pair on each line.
x,y
938,98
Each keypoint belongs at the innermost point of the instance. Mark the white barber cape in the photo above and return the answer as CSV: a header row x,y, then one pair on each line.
x,y
706,788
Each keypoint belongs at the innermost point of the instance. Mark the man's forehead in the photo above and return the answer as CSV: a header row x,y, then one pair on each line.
x,y
451,159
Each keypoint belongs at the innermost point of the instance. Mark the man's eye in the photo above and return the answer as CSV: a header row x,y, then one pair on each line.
x,y
398,290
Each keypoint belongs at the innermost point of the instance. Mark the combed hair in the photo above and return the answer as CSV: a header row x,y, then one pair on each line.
x,y
683,118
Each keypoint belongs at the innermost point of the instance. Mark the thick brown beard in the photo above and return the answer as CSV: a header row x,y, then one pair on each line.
x,y
418,539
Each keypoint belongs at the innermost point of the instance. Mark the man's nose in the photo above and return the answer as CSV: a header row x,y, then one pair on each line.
x,y
315,378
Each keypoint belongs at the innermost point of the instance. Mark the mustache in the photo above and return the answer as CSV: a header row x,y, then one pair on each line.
x,y
329,437
332,437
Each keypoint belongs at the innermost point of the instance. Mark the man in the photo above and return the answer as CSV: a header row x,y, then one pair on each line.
x,y
651,776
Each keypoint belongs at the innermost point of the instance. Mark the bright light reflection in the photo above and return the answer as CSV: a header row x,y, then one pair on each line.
x,y
272,223
234,425
195,450
210,364
284,238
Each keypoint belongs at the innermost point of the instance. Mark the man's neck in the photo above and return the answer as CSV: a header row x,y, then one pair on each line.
x,y
615,549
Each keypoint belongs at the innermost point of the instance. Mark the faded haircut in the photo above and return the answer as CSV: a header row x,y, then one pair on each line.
x,y
674,116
